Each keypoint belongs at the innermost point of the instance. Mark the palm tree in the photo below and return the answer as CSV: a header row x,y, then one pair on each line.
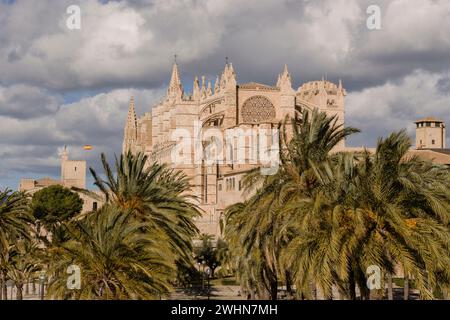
x,y
206,252
24,264
327,217
14,224
155,194
383,210
260,227
223,256
413,199
118,256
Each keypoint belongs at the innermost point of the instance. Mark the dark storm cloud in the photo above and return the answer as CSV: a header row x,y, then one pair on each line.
x,y
23,102
443,85
393,75
315,38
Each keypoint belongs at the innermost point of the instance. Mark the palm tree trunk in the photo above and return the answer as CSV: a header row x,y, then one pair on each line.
x,y
352,286
273,290
19,295
288,284
4,288
406,288
314,290
340,294
390,289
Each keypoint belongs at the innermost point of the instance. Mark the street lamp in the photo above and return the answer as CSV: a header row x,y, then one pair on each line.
x,y
214,267
195,287
208,274
203,274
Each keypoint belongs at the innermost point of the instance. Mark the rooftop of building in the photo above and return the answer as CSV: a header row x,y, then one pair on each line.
x,y
429,119
255,86
439,156
440,150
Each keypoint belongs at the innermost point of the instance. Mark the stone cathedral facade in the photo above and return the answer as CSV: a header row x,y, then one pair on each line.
x,y
221,108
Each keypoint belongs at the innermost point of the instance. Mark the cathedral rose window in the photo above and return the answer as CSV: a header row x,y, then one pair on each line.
x,y
257,109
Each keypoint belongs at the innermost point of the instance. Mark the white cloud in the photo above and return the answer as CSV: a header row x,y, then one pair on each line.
x,y
31,145
394,75
395,105
134,42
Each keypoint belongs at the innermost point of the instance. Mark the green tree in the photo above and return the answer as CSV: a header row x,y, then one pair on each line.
x,y
223,256
14,225
324,217
55,204
156,194
260,228
385,209
206,253
24,264
118,256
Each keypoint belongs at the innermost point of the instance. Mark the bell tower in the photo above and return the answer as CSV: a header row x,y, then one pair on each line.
x,y
430,133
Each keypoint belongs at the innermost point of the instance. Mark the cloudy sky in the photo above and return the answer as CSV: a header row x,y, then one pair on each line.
x,y
71,87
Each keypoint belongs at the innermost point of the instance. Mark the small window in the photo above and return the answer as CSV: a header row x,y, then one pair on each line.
x,y
75,169
420,142
436,124
220,187
428,124
94,206
240,185
432,141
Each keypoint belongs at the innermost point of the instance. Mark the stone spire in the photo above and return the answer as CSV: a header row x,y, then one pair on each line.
x,y
203,90
230,69
132,118
322,86
175,78
284,80
217,85
175,89
209,89
341,90
228,77
130,131
196,89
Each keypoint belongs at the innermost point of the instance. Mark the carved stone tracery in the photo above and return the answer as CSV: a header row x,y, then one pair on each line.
x,y
257,109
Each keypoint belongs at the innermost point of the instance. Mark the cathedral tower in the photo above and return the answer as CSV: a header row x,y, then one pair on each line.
x,y
73,172
430,133
130,131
